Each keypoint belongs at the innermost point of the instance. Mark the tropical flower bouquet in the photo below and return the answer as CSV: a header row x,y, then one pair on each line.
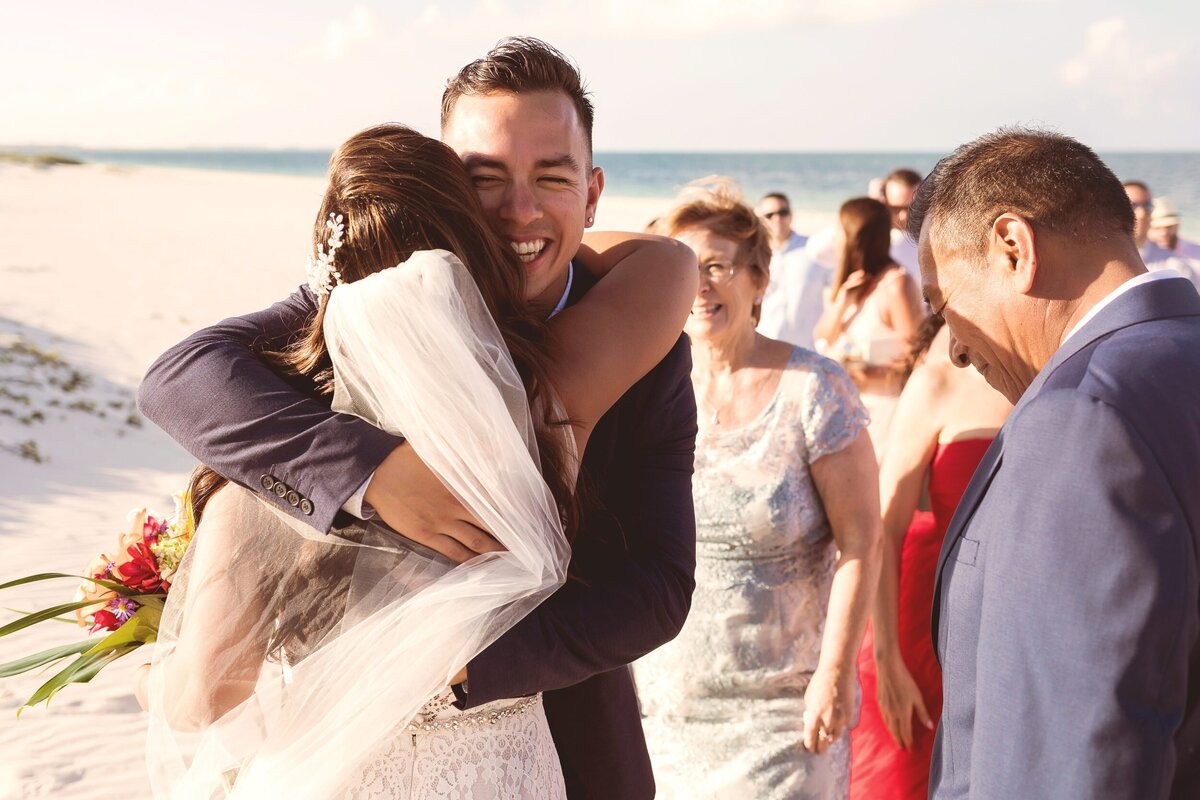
x,y
122,594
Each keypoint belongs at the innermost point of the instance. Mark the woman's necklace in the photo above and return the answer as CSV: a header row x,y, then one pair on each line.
x,y
715,417
713,410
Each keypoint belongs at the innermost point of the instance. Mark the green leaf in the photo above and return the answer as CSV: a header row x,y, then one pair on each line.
x,y
54,611
139,629
45,657
67,620
119,588
81,670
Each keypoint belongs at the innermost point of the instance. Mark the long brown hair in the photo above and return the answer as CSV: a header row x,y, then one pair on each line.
x,y
400,192
867,226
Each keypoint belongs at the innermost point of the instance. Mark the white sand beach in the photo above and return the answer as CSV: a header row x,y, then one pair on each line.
x,y
104,268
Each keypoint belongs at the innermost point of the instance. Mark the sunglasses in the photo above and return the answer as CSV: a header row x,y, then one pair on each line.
x,y
1146,206
783,212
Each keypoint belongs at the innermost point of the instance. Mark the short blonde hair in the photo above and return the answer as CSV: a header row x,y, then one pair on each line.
x,y
715,204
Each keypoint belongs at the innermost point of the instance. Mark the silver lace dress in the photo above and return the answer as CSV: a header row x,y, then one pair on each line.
x,y
723,703
498,751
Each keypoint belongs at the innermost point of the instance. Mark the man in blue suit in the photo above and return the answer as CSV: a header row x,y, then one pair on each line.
x,y
1066,617
522,123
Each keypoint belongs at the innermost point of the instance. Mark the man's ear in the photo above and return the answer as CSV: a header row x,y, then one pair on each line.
x,y
1011,248
594,188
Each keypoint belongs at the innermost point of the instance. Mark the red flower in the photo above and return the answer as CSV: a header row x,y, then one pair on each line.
x,y
140,570
105,619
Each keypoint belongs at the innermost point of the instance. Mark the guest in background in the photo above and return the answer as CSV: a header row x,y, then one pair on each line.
x,y
1154,255
821,246
795,296
875,189
1164,230
775,210
944,421
1143,203
899,189
754,697
876,307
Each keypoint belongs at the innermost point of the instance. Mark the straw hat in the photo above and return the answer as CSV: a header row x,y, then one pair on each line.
x,y
1164,214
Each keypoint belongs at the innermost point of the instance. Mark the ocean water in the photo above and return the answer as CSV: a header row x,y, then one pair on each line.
x,y
814,181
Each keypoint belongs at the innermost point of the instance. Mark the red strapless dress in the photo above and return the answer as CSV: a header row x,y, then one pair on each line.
x,y
879,770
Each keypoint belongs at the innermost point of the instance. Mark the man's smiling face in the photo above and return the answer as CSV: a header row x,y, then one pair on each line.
x,y
527,155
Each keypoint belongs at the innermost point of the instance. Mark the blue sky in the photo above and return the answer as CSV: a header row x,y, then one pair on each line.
x,y
675,75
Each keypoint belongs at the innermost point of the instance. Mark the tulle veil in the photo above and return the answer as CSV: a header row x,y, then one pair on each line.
x,y
286,656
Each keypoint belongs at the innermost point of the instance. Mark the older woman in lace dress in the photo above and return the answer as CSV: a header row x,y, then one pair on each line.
x,y
754,697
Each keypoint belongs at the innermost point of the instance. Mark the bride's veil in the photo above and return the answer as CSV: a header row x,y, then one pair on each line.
x,y
286,657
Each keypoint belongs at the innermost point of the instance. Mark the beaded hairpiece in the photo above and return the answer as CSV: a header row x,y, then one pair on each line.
x,y
322,274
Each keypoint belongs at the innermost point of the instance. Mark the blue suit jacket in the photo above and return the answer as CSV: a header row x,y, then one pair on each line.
x,y
634,555
1066,618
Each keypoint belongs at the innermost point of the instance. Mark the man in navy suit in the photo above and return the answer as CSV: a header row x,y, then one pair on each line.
x,y
522,123
1066,617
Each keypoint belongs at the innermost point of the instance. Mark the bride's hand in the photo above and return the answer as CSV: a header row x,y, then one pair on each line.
x,y
828,707
412,501
899,700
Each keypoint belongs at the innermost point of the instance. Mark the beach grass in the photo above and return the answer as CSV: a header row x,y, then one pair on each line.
x,y
38,159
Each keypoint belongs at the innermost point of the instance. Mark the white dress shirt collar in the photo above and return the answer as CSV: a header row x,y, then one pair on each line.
x,y
562,301
1157,275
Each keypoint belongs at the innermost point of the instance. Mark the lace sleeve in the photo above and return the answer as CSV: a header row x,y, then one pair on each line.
x,y
832,415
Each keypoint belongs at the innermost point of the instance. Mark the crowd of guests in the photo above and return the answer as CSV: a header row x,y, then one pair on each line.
x,y
818,371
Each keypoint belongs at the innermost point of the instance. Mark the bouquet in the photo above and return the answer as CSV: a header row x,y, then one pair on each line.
x,y
122,594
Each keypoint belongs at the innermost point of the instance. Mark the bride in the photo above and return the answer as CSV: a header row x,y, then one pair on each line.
x,y
295,664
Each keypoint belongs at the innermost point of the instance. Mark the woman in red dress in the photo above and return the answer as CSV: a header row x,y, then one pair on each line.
x,y
944,421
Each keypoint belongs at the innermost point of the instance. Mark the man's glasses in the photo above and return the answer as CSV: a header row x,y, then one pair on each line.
x,y
718,271
1146,206
783,212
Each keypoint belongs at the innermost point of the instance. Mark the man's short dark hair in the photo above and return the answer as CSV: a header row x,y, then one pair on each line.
x,y
1049,179
780,196
520,64
904,176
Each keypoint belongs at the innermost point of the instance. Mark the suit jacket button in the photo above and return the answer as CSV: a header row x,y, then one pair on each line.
x,y
281,490
306,506
293,498
267,482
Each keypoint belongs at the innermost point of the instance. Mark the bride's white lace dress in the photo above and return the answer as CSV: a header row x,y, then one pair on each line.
x,y
377,626
499,750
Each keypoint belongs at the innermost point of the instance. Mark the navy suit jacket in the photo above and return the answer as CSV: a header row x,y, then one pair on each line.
x,y
634,556
1067,614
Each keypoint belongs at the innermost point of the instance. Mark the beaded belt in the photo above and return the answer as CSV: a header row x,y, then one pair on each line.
x,y
426,720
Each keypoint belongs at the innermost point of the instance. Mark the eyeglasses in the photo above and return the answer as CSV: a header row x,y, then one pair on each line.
x,y
718,271
1146,206
783,212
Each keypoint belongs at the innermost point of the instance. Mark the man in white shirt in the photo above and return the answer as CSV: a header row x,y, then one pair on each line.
x,y
1154,255
1164,230
899,188
1142,202
794,298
